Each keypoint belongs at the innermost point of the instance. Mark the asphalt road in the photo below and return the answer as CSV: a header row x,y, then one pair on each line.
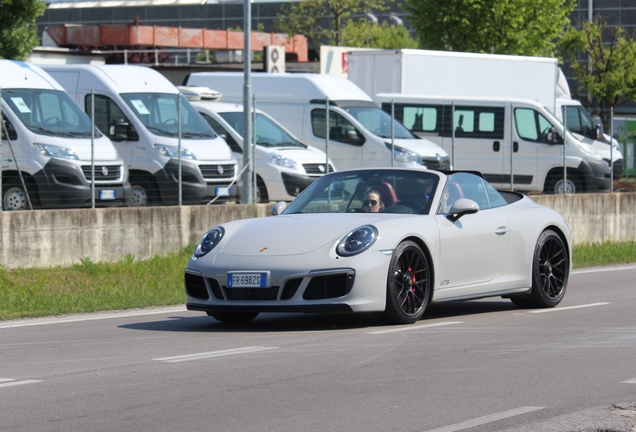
x,y
475,366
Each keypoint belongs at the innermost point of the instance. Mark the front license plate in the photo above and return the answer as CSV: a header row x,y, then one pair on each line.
x,y
247,280
222,191
106,194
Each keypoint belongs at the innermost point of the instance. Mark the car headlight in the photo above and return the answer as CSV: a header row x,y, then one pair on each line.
x,y
404,155
209,241
173,152
55,151
357,241
280,160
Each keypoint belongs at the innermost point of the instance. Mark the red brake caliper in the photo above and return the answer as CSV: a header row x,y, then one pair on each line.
x,y
413,279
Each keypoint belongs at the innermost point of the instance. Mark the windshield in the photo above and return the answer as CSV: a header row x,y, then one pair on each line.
x,y
378,123
49,112
268,133
579,121
382,190
159,112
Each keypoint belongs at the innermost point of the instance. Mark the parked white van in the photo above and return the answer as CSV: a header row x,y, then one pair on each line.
x,y
46,147
359,131
138,108
483,137
284,166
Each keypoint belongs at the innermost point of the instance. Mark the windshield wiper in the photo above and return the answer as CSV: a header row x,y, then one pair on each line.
x,y
40,128
161,130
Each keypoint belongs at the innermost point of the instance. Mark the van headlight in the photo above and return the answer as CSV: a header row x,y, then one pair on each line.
x,y
173,152
404,155
357,241
280,160
55,151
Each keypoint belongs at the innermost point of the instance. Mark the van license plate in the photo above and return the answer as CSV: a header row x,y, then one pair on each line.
x,y
222,191
247,280
107,194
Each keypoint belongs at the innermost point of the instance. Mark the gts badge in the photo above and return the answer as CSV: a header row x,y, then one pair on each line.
x,y
444,283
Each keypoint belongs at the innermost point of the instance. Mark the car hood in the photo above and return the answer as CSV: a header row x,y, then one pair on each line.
x,y
292,234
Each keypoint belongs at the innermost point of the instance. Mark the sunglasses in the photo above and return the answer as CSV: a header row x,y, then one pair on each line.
x,y
373,203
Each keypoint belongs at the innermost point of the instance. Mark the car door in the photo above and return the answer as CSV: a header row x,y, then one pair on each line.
x,y
531,153
346,142
472,248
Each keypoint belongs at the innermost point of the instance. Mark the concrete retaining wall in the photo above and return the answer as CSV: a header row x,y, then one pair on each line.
x,y
49,238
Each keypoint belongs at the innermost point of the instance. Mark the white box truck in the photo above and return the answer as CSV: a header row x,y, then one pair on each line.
x,y
284,166
359,131
138,108
47,158
458,75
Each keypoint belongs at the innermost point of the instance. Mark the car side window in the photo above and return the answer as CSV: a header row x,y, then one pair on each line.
x,y
531,125
340,129
219,129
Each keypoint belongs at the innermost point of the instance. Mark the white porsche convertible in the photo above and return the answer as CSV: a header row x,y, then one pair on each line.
x,y
383,240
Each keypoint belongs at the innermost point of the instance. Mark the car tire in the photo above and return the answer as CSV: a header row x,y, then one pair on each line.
x,y
233,317
550,271
409,284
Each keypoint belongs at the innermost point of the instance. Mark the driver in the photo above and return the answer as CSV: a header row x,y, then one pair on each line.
x,y
372,202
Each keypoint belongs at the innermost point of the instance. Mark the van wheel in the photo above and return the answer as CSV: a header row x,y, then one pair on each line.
x,y
141,192
261,191
13,196
556,185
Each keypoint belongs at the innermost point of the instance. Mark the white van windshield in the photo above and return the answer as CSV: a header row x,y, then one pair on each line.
x,y
268,133
378,123
49,112
159,112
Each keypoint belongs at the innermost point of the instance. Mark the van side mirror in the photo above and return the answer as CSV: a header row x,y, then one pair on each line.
x,y
553,136
8,127
118,130
599,127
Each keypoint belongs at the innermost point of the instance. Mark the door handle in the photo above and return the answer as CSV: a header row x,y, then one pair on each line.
x,y
515,146
502,230
495,146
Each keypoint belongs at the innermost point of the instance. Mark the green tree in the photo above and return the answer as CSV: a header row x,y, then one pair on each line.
x,y
610,73
322,21
516,27
364,34
18,31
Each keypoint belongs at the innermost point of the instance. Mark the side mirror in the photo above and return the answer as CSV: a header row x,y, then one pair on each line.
x,y
278,208
118,129
554,137
461,207
599,127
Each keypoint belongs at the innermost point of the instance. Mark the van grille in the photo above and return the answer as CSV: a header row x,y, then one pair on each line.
x,y
316,168
213,172
102,172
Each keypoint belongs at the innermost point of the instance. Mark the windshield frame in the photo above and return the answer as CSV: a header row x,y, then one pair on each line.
x,y
235,120
64,119
193,126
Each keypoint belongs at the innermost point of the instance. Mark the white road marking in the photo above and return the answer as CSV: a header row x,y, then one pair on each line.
x,y
629,381
486,419
538,311
91,317
199,356
603,269
8,382
415,327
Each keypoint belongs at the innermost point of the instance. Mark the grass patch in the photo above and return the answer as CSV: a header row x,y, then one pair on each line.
x,y
130,284
91,287
604,254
